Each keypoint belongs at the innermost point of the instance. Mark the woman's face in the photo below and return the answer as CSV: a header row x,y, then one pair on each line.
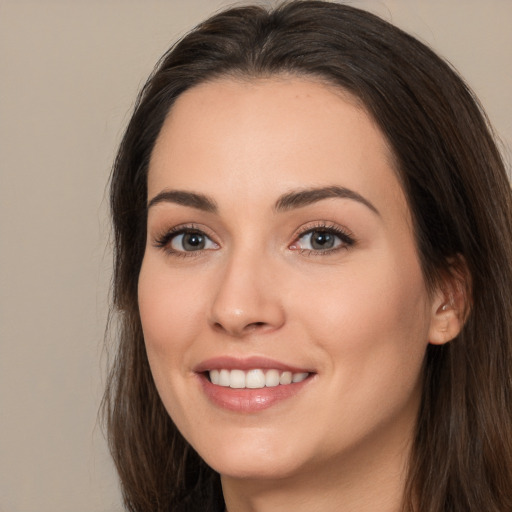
x,y
280,248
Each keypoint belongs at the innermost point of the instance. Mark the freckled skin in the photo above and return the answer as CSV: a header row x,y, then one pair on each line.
x,y
359,316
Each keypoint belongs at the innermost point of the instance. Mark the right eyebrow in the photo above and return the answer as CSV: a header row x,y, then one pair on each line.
x,y
191,199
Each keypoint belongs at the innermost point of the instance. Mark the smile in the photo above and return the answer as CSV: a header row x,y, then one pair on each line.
x,y
251,384
254,378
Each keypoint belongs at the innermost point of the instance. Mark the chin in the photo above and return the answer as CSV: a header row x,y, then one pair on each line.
x,y
261,469
253,459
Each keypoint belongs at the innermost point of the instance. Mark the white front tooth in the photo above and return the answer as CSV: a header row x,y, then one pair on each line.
x,y
272,378
286,378
214,376
255,379
224,378
237,379
299,377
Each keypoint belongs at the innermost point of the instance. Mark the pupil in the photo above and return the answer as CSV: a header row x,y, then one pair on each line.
x,y
193,242
322,240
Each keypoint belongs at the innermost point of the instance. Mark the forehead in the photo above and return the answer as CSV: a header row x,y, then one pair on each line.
x,y
270,135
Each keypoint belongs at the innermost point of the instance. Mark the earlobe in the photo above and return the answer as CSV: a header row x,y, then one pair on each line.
x,y
446,323
450,305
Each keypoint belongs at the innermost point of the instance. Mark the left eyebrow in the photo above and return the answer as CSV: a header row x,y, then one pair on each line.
x,y
304,197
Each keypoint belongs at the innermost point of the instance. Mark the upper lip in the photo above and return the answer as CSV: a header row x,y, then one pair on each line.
x,y
247,363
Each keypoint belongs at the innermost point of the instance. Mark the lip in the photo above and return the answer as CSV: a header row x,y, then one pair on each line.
x,y
247,363
248,400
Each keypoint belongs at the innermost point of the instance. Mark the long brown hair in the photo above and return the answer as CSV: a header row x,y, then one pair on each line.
x,y
460,200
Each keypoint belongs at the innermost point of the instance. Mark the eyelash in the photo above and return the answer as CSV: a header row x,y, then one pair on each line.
x,y
164,240
347,239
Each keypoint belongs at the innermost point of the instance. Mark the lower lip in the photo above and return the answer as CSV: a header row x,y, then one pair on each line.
x,y
249,400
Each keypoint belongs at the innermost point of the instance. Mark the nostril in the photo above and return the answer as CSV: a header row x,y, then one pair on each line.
x,y
218,326
255,325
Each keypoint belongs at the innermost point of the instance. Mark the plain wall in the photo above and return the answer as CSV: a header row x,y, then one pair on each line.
x,y
69,72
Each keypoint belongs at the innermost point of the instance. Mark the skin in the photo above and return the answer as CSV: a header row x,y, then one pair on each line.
x,y
359,317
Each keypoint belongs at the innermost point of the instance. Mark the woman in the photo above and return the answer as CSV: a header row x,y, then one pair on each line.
x,y
313,270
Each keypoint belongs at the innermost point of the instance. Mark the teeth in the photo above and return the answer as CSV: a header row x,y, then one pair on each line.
x,y
237,379
299,377
215,377
286,378
224,378
272,378
254,379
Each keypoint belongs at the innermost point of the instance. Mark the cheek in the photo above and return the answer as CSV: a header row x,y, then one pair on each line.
x,y
376,315
172,316
371,328
170,308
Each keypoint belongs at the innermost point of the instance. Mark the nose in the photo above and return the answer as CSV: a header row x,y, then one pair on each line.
x,y
247,298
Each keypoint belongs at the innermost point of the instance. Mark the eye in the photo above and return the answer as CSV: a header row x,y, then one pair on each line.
x,y
191,241
322,240
319,240
185,240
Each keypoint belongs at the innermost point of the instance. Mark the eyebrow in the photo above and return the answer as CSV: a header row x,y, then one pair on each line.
x,y
191,199
288,201
300,198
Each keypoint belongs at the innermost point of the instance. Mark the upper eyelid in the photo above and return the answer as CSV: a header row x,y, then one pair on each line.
x,y
168,234
184,227
326,226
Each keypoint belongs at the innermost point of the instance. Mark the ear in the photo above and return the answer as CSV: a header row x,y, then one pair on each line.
x,y
451,303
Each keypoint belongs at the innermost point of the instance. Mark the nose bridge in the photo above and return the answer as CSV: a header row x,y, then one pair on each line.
x,y
246,298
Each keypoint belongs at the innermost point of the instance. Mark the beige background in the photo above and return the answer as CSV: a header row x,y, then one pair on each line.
x,y
69,72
